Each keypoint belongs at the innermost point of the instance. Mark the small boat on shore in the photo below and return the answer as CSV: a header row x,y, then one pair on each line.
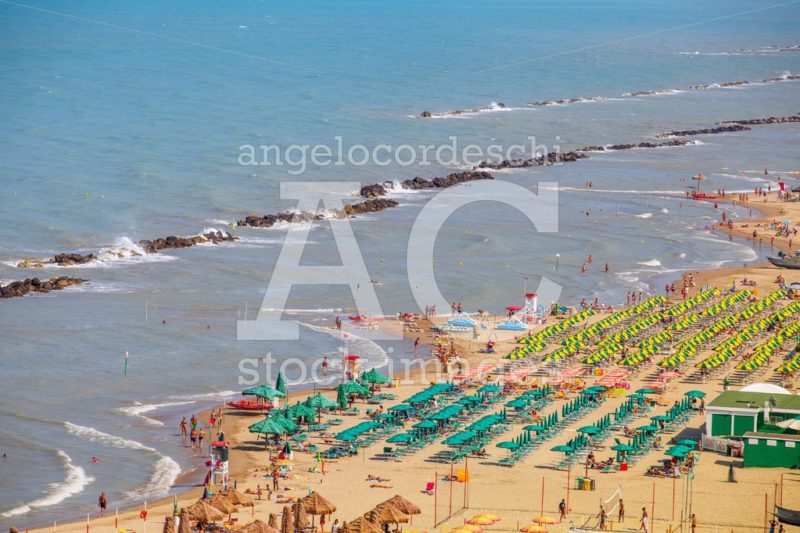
x,y
786,261
250,405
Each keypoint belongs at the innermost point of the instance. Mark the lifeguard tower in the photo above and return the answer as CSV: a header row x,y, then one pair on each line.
x,y
531,306
219,463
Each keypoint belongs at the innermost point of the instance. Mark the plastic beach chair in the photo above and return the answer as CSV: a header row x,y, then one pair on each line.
x,y
429,487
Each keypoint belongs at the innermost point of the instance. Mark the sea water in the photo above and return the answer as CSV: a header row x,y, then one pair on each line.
x,y
123,121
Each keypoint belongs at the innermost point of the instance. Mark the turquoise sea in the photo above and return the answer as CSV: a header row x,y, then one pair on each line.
x,y
122,121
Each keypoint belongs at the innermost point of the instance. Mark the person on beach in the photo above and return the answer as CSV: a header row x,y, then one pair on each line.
x,y
416,345
324,366
643,526
183,426
694,523
335,526
602,517
772,524
275,477
193,437
562,510
102,502
200,436
621,515
193,421
338,322
213,418
608,269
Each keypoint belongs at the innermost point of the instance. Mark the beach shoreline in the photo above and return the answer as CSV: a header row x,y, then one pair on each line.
x,y
247,464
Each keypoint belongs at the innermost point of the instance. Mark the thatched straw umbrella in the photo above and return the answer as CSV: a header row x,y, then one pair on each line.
x,y
386,513
169,525
273,521
237,498
317,505
300,516
203,513
404,505
360,525
222,503
287,520
184,526
258,527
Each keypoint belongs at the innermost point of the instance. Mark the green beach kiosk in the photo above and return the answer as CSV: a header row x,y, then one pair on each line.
x,y
765,418
755,408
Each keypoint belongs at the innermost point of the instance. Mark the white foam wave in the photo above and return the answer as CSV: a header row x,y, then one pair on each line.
x,y
95,435
138,409
74,483
644,215
375,355
165,472
650,263
206,396
664,210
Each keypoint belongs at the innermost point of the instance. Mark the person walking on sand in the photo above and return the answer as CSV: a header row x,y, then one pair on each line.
x,y
643,526
621,517
335,526
275,477
102,502
694,523
416,345
183,426
772,524
193,421
200,436
324,366
193,437
562,510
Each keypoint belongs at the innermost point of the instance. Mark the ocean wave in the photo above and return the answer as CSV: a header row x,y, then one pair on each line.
x,y
650,263
654,92
165,472
206,395
138,409
74,483
370,350
95,435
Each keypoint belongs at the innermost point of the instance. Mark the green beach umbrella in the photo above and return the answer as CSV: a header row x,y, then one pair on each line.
x,y
689,443
661,418
622,448
268,426
354,388
263,391
648,428
318,401
426,424
508,445
490,388
373,376
401,407
534,427
517,404
676,453
341,398
299,410
286,422
280,384
561,448
695,394
589,430
400,437
645,390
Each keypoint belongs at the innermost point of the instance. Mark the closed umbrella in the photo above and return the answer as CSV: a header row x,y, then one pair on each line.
x,y
300,516
169,525
184,526
280,384
273,521
341,398
287,520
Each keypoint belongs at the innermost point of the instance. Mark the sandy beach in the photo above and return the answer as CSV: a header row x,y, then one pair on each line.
x,y
518,494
